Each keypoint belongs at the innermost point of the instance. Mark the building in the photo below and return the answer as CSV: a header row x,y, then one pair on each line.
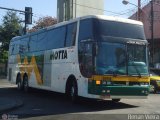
x,y
69,9
147,19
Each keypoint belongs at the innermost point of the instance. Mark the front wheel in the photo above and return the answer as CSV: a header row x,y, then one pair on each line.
x,y
72,91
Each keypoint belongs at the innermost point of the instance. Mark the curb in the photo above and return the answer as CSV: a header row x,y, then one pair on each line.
x,y
9,104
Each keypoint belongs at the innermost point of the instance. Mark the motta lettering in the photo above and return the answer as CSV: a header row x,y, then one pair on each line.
x,y
57,55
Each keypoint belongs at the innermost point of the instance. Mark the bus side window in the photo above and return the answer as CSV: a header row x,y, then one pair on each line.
x,y
85,49
23,46
11,49
56,38
33,42
14,48
85,30
86,56
71,34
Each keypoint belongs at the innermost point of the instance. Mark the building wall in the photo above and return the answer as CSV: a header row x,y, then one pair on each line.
x,y
69,9
146,19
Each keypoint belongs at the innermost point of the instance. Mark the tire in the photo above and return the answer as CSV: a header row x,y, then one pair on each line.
x,y
19,83
116,100
153,87
25,84
72,91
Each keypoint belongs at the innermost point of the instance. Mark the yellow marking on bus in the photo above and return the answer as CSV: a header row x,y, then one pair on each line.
x,y
25,67
35,67
121,78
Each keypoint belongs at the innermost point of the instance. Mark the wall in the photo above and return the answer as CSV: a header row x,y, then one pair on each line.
x,y
69,9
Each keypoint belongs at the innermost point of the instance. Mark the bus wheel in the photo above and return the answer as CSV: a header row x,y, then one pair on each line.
x,y
19,83
25,83
72,91
115,100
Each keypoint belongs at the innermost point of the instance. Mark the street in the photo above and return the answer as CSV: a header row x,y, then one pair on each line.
x,y
39,104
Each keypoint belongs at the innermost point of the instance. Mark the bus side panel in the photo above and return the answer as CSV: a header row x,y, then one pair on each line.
x,y
12,68
62,68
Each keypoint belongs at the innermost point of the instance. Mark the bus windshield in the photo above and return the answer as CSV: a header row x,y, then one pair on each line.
x,y
137,60
111,58
121,59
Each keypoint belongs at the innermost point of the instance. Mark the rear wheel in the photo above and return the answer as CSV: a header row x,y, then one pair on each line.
x,y
25,83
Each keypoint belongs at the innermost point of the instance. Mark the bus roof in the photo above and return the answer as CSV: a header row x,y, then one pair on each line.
x,y
101,17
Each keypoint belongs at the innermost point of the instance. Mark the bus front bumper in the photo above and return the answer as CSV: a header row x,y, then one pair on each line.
x,y
114,92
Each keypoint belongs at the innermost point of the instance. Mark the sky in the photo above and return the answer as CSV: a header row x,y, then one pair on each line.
x,y
49,7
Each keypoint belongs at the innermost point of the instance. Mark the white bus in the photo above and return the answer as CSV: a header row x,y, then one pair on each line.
x,y
96,57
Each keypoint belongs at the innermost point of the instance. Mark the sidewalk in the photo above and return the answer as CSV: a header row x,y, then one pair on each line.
x,y
9,103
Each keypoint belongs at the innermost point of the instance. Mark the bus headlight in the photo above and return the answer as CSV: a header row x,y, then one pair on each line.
x,y
98,82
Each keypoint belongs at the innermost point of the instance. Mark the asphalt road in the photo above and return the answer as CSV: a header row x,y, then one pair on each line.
x,y
39,104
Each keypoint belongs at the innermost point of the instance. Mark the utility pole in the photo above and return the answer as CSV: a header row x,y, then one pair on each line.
x,y
139,10
152,31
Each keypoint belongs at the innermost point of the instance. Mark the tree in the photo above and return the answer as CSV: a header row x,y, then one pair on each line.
x,y
43,22
10,28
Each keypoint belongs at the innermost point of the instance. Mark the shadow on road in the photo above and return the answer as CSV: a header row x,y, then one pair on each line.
x,y
42,103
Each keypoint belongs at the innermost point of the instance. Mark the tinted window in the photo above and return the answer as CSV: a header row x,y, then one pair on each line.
x,y
85,31
11,48
111,58
42,39
14,47
33,43
23,45
119,29
71,34
56,38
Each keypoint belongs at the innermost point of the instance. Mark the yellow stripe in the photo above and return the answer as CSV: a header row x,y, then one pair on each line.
x,y
25,67
121,78
35,68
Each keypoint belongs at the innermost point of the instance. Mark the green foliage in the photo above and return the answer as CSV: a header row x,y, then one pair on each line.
x,y
4,56
10,28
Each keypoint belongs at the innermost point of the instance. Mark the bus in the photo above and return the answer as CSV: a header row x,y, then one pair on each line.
x,y
94,56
